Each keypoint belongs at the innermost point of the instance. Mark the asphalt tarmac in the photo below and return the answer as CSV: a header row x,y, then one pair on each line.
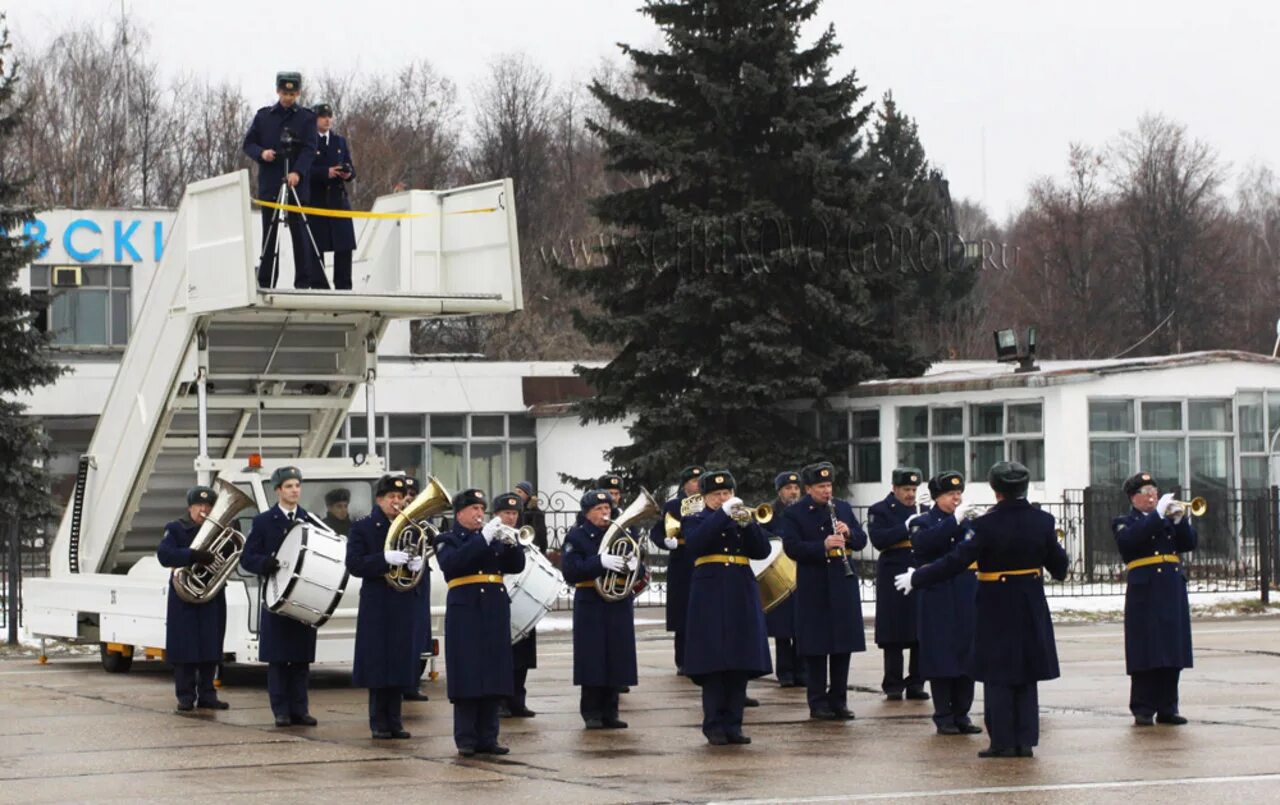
x,y
71,732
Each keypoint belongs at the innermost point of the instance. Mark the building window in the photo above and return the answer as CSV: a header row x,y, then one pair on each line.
x,y
487,451
1182,443
972,438
94,313
866,446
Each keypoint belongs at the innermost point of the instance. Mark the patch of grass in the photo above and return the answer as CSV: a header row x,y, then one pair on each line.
x,y
1088,616
1241,606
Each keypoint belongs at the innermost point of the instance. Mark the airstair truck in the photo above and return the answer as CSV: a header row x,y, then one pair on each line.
x,y
223,379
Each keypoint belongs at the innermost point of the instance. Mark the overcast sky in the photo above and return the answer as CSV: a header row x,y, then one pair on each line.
x,y
999,87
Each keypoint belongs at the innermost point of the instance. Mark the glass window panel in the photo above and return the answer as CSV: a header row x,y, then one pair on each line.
x,y
1209,414
407,458
914,454
866,425
338,450
120,317
407,426
866,463
120,277
948,422
1025,418
93,275
524,464
984,455
1163,459
1161,416
948,456
359,426
1211,463
1254,470
447,465
313,493
913,421
835,426
1111,416
80,317
1273,416
39,276
1031,453
448,426
1110,461
1252,427
522,426
986,420
487,470
489,425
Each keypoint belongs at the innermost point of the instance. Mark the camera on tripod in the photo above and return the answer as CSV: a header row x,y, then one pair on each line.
x,y
289,143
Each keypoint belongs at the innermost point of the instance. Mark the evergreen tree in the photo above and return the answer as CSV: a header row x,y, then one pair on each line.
x,y
731,282
24,360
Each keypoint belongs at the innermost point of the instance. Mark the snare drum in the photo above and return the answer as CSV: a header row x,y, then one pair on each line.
x,y
776,576
533,591
312,576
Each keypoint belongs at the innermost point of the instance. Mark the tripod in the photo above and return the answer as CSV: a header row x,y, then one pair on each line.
x,y
271,237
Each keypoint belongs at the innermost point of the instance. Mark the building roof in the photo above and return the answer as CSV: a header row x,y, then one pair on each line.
x,y
986,375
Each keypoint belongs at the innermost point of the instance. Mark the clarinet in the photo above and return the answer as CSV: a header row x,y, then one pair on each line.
x,y
831,509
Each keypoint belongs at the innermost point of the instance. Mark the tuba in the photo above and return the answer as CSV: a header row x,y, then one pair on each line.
x,y
410,532
619,542
199,583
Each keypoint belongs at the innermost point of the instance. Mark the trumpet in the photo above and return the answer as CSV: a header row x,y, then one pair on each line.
x,y
743,515
519,537
1197,506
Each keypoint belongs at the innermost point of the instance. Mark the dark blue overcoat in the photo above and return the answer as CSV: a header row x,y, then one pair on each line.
x,y
1157,615
828,602
604,632
780,622
679,567
946,611
192,632
895,612
477,620
1013,640
331,234
265,133
280,639
386,656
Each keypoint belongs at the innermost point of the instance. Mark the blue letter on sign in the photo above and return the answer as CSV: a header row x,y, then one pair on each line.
x,y
75,254
122,236
159,240
36,232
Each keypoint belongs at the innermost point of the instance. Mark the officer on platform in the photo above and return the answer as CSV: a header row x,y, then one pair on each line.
x,y
385,660
946,610
780,622
280,134
524,654
1013,644
896,615
332,169
829,607
337,510
604,632
725,629
193,632
1157,615
679,561
286,645
477,623
421,614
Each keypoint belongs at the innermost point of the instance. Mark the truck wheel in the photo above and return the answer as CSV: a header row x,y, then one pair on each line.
x,y
115,662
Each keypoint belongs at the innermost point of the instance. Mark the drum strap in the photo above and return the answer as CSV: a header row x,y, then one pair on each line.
x,y
476,578
718,558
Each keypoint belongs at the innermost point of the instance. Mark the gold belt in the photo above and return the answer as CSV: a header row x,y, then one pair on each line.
x,y
583,585
999,575
476,578
906,543
1158,559
728,559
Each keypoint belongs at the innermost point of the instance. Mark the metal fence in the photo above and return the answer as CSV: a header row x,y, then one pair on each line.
x,y
26,553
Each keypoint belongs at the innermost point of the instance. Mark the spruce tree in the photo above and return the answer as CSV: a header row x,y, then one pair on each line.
x,y
24,360
730,284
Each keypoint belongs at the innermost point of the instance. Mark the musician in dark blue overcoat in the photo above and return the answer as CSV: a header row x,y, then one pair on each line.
x,y
386,657
679,562
508,507
946,610
1013,647
896,614
604,632
727,641
477,622
331,170
780,622
287,646
820,533
193,632
1157,615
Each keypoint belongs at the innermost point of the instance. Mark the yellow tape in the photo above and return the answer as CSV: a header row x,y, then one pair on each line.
x,y
321,212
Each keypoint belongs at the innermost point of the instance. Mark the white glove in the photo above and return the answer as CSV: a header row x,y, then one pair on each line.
x,y
613,563
1177,515
912,519
731,505
632,563
923,498
396,558
903,580
1163,504
960,512
491,529
671,543
415,564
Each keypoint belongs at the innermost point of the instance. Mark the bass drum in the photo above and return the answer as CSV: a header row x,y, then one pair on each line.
x,y
312,576
776,576
533,592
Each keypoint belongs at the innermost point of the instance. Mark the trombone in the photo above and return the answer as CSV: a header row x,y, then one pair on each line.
x,y
1196,507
